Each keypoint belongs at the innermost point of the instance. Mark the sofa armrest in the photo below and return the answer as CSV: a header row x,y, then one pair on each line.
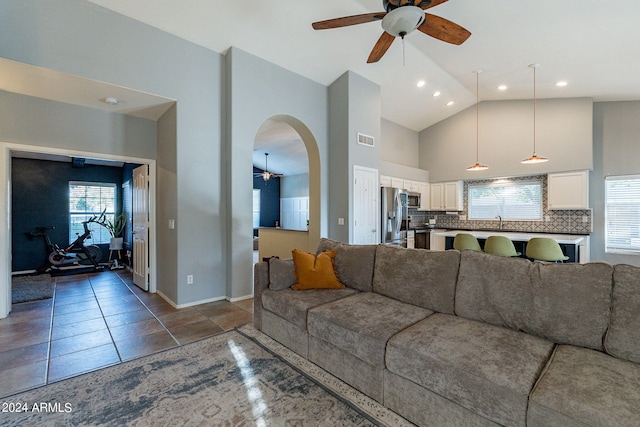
x,y
260,283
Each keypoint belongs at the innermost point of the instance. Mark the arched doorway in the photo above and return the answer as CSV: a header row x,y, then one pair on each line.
x,y
280,190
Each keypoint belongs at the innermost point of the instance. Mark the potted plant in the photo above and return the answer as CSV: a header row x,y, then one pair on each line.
x,y
115,227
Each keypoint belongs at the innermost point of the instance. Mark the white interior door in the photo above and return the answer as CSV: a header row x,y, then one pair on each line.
x,y
365,206
140,227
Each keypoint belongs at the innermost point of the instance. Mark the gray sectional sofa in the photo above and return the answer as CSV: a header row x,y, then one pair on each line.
x,y
467,338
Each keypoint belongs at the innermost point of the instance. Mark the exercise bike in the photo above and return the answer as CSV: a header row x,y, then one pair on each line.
x,y
76,255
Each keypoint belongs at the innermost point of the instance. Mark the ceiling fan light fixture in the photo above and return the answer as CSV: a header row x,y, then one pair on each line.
x,y
403,20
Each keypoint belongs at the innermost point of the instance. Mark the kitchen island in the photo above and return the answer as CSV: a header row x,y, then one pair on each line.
x,y
575,246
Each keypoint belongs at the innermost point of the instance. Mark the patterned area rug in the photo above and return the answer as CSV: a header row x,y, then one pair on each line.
x,y
31,288
233,379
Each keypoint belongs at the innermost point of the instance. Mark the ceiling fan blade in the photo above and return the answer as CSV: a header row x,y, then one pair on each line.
x,y
381,47
432,3
345,21
443,29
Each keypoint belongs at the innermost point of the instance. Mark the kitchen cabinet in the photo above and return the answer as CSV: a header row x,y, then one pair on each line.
x,y
425,196
568,190
446,196
412,186
385,181
397,182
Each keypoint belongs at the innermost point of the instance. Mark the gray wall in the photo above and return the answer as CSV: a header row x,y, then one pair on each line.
x,y
258,90
399,144
354,108
616,151
36,121
294,186
563,134
86,40
339,157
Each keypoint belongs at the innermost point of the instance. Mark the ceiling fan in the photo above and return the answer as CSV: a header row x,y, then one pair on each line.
x,y
266,175
401,18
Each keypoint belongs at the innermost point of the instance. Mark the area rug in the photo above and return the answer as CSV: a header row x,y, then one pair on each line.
x,y
232,379
31,288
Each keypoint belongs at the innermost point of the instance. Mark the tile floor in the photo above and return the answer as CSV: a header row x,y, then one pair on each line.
x,y
97,320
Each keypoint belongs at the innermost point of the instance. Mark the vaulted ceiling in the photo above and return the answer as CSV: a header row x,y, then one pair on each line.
x,y
592,45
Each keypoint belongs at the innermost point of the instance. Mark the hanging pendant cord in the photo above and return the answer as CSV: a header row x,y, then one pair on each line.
x,y
477,120
534,111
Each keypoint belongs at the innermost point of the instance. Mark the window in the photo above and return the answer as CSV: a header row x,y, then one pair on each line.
x,y
87,199
513,200
622,214
256,208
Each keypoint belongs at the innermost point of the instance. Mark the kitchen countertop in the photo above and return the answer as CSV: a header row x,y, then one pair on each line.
x,y
520,236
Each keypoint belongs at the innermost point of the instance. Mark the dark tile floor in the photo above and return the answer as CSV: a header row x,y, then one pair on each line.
x,y
98,320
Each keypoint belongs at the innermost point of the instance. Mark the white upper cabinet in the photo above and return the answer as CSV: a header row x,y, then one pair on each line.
x,y
446,196
385,181
568,190
397,182
425,196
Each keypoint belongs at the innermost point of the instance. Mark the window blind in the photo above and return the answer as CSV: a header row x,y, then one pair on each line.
x,y
622,214
519,200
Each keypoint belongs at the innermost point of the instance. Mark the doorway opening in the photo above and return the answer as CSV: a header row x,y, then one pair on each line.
x,y
9,215
280,187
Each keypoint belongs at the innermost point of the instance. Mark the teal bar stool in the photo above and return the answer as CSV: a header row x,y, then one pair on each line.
x,y
500,245
545,249
464,241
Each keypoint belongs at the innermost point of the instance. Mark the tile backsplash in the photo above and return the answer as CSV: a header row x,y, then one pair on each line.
x,y
554,221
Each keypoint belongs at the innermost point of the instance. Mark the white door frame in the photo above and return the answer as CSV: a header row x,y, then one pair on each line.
x,y
5,210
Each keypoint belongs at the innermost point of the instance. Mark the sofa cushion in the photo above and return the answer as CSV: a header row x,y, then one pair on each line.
x,y
487,369
586,387
623,337
282,274
566,303
315,271
362,323
293,305
415,276
353,263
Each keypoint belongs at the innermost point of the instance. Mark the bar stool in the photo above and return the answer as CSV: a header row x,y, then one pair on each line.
x,y
500,245
464,241
545,249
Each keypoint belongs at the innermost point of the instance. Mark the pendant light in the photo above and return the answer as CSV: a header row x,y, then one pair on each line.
x,y
477,166
534,157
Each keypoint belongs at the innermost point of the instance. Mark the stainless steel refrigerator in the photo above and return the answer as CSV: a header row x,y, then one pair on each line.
x,y
393,205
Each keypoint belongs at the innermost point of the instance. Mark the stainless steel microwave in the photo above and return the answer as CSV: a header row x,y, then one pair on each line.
x,y
413,200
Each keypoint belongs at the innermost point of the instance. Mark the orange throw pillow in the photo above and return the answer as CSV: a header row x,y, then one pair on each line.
x,y
315,272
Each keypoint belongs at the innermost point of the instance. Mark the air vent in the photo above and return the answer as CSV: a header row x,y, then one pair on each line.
x,y
365,140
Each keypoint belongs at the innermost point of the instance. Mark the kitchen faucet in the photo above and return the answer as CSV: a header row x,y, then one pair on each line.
x,y
500,219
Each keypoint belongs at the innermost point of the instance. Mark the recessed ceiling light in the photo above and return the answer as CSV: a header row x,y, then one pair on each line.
x,y
450,103
561,83
111,100
437,94
421,83
502,87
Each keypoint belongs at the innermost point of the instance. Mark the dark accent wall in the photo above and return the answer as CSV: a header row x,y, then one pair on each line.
x,y
269,199
40,197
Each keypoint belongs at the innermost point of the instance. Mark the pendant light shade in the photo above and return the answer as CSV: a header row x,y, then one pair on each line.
x,y
477,166
534,157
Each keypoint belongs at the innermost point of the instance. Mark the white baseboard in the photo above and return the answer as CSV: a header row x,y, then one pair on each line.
x,y
240,298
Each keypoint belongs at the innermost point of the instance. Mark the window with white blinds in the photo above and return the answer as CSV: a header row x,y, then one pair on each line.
x,y
512,200
622,214
87,199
